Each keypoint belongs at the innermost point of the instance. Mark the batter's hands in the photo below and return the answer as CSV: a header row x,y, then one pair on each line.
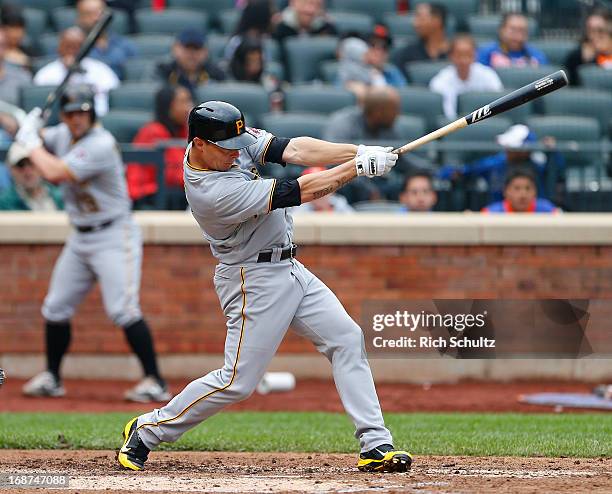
x,y
28,134
374,161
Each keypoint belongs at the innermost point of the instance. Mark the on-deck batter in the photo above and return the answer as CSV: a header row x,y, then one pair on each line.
x,y
106,245
261,286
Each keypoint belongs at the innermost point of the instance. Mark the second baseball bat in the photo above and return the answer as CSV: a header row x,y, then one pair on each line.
x,y
516,98
86,47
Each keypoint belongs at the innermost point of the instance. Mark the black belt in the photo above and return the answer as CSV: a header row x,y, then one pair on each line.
x,y
285,254
95,228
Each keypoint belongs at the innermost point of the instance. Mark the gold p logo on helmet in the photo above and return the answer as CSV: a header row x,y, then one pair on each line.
x,y
239,126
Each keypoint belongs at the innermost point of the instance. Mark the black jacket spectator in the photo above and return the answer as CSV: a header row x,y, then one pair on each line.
x,y
304,17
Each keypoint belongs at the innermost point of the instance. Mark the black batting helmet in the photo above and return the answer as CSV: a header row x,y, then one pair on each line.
x,y
78,98
220,123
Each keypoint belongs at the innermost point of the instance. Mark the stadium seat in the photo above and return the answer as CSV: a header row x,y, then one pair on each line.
x,y
275,69
294,124
423,103
401,24
317,98
582,102
214,8
410,127
329,71
352,22
250,98
31,96
376,9
139,69
484,132
124,124
488,25
305,54
152,45
459,9
36,23
515,77
420,73
228,21
64,17
216,44
595,77
45,5
133,96
468,102
170,21
47,43
556,50
39,62
574,129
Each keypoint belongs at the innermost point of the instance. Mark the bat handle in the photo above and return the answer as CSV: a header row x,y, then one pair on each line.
x,y
432,136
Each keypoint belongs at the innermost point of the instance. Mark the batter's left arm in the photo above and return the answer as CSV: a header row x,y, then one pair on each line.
x,y
308,151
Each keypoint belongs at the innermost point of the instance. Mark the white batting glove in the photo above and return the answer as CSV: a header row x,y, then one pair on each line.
x,y
28,134
374,161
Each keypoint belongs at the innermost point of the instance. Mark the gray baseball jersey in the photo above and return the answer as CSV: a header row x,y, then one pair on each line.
x,y
260,300
99,192
112,254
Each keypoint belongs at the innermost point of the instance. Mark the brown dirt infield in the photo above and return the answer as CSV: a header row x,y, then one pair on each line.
x,y
309,395
95,471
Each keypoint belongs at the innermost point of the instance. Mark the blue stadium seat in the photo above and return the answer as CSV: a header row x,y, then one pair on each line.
x,y
352,22
410,127
375,9
294,124
515,77
317,98
401,25
170,21
133,96
152,45
211,7
595,77
329,71
124,124
483,132
305,54
139,69
36,22
583,102
47,43
31,96
228,20
216,44
64,17
251,98
421,102
39,62
45,5
420,73
488,25
468,102
556,50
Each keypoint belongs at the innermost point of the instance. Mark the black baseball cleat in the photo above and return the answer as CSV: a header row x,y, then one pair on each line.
x,y
384,458
133,453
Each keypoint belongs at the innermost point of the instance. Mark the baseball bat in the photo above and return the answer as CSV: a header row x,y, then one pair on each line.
x,y
516,98
86,47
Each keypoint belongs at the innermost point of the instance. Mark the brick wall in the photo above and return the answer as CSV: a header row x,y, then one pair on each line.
x,y
179,301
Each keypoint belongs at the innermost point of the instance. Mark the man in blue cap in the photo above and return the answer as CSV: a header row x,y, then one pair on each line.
x,y
189,65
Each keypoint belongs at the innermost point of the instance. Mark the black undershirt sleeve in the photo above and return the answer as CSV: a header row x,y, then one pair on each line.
x,y
286,193
274,153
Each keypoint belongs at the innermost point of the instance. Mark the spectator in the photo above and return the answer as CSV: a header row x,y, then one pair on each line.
x,y
8,128
378,56
93,72
331,203
256,21
172,106
28,192
111,48
12,21
11,76
304,17
248,65
418,194
429,23
189,65
512,48
494,168
355,72
375,121
464,75
520,195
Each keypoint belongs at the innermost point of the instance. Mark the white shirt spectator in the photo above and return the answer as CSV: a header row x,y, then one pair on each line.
x,y
450,86
95,73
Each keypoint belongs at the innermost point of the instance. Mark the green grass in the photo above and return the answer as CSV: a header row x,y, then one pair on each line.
x,y
573,435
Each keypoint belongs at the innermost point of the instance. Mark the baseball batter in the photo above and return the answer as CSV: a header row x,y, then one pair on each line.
x,y
262,287
106,245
